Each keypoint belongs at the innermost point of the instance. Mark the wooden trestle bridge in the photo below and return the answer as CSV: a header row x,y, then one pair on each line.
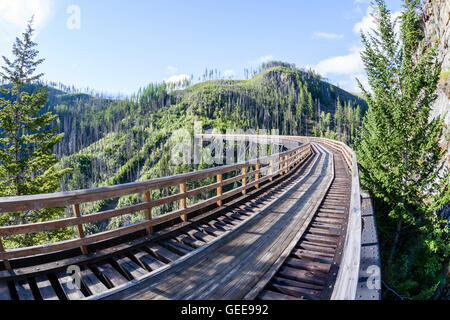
x,y
289,229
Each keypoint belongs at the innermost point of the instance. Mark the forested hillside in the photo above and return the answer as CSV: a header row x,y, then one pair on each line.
x,y
109,141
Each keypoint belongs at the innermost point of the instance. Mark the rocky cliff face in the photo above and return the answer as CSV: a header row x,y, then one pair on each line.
x,y
436,25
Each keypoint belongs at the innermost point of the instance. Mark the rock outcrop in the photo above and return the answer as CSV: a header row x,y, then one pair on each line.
x,y
436,25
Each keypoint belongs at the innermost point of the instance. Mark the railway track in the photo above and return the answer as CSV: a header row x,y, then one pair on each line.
x,y
311,268
115,266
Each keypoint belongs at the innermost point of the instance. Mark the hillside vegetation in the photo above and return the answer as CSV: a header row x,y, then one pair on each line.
x,y
112,141
117,141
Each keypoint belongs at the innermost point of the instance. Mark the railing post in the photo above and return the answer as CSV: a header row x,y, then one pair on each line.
x,y
80,231
281,165
257,175
244,180
5,261
148,212
219,190
271,170
183,201
288,163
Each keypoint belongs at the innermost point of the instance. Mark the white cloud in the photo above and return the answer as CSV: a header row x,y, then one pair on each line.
x,y
326,35
263,59
347,64
14,15
350,65
367,24
177,78
350,84
19,12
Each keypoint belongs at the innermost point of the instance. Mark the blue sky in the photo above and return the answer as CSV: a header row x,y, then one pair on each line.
x,y
118,46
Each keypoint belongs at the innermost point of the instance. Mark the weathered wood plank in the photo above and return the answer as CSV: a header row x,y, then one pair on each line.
x,y
296,292
45,288
210,230
194,243
314,255
148,262
324,231
162,253
220,225
177,247
69,287
129,267
302,275
298,284
272,295
321,239
111,275
4,291
226,220
317,247
93,284
194,233
23,289
308,265
79,227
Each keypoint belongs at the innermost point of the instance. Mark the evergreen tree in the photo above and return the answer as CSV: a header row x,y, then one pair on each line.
x,y
350,122
338,116
357,116
27,163
398,151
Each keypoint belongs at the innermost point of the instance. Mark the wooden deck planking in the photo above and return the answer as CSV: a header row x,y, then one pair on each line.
x,y
23,289
94,285
216,271
271,295
129,267
69,287
162,253
45,288
220,283
4,291
111,275
148,261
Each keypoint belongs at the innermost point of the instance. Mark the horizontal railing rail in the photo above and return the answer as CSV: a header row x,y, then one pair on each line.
x,y
269,166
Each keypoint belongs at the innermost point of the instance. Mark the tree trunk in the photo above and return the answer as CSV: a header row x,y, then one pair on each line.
x,y
394,244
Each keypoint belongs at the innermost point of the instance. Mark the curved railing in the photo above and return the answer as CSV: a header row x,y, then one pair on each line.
x,y
347,278
263,169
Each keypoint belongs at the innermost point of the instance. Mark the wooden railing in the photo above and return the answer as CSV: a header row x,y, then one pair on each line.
x,y
264,169
347,278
